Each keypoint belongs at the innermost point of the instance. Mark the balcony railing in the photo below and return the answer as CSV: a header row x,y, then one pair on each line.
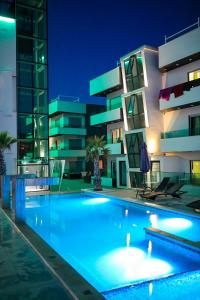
x,y
186,86
180,133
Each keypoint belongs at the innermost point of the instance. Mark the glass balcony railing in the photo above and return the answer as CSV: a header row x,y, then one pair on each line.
x,y
180,133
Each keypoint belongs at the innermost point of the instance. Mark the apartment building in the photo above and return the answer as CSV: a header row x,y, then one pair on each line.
x,y
24,88
68,132
153,96
179,64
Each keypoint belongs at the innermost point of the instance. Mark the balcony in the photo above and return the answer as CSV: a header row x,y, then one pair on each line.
x,y
180,50
106,83
188,99
109,116
55,131
60,106
115,149
180,141
64,153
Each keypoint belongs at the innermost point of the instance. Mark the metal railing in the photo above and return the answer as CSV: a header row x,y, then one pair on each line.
x,y
185,30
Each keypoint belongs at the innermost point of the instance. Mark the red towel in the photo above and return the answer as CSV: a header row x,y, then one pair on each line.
x,y
165,93
178,90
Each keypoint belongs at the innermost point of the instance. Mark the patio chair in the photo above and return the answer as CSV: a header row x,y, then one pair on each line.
x,y
160,188
173,190
195,205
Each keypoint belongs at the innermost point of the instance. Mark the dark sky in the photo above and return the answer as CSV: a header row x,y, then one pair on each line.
x,y
86,38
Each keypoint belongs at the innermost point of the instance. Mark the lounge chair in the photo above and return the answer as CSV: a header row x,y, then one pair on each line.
x,y
195,205
173,190
160,188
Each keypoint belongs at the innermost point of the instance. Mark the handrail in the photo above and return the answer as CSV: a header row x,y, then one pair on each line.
x,y
197,24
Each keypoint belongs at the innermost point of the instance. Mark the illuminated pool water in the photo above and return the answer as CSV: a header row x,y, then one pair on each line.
x,y
104,239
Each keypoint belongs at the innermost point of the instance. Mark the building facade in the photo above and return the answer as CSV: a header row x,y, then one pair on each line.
x,y
138,110
24,84
68,133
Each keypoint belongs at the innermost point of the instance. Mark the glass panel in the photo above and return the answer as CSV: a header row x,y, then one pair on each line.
x,y
30,100
33,152
31,22
134,72
25,126
32,50
195,125
134,142
135,111
75,122
34,3
136,179
75,144
30,75
32,126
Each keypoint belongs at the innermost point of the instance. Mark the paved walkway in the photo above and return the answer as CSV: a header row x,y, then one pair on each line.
x,y
23,276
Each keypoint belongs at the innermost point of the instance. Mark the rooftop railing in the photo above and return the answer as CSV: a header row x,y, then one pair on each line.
x,y
185,30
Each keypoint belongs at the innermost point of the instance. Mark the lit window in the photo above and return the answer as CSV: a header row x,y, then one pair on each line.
x,y
194,75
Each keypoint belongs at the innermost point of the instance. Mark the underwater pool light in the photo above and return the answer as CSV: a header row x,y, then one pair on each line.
x,y
177,223
94,201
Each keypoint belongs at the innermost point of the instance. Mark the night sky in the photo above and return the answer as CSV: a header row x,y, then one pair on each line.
x,y
86,38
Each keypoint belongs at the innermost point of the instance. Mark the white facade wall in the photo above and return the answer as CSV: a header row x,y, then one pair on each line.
x,y
8,115
179,75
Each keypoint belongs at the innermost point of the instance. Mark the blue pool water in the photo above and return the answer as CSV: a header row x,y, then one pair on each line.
x,y
104,239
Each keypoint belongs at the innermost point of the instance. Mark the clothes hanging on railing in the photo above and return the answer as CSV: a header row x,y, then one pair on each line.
x,y
165,93
178,90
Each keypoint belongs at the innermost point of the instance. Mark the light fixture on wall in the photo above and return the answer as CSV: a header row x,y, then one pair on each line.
x,y
151,146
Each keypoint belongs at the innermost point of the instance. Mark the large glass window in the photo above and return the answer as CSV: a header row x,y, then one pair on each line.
x,y
32,101
76,166
31,22
135,111
195,125
134,72
32,50
133,143
32,126
32,75
34,3
33,152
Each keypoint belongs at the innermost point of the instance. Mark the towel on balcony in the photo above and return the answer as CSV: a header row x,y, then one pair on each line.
x,y
178,90
165,93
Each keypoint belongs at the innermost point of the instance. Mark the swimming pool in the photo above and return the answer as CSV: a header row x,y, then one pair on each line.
x,y
103,238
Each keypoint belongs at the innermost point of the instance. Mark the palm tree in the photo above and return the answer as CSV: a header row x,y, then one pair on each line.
x,y
5,142
96,148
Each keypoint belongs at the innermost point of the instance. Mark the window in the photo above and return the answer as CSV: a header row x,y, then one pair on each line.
x,y
75,144
32,75
116,135
136,179
75,122
134,72
32,126
194,75
135,111
194,125
32,101
134,142
32,50
33,152
195,172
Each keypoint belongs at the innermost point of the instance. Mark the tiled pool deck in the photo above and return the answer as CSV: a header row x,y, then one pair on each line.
x,y
24,275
